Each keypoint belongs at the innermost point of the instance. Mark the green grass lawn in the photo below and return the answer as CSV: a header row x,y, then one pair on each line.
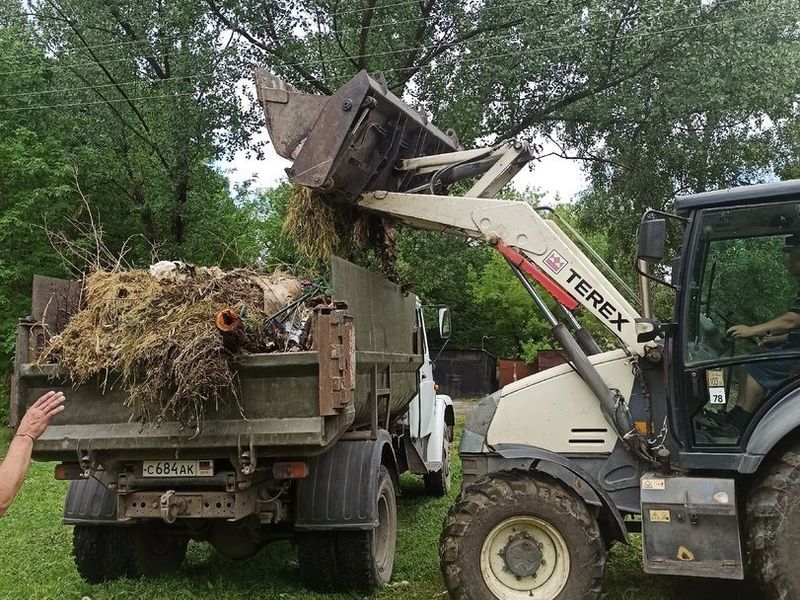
x,y
36,561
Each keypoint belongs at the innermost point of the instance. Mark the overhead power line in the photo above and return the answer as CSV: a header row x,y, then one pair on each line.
x,y
584,24
388,23
374,54
461,60
95,102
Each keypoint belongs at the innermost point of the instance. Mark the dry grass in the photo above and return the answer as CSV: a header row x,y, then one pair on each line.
x,y
158,339
321,228
311,221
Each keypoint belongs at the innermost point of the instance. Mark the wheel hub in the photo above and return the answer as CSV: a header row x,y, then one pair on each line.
x,y
523,555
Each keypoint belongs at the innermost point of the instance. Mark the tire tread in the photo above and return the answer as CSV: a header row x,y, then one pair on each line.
x,y
490,491
769,503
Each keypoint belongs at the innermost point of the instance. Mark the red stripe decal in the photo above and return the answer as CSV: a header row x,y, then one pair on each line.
x,y
529,268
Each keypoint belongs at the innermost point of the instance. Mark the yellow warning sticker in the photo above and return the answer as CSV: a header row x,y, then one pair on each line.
x,y
659,516
715,378
653,484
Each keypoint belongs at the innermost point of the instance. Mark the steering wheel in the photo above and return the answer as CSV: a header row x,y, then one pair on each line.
x,y
728,341
726,318
718,338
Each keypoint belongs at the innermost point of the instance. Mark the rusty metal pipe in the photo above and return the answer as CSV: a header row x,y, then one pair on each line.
x,y
228,320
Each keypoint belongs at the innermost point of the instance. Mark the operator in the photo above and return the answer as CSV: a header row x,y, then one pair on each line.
x,y
31,427
781,333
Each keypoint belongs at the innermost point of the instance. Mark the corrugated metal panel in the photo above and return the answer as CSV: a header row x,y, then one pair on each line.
x,y
465,373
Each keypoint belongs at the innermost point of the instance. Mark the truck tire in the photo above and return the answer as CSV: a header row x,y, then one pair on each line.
x,y
516,535
773,527
154,550
118,561
353,560
438,483
88,551
107,552
317,561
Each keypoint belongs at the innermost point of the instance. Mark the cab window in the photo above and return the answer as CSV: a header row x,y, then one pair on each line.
x,y
742,325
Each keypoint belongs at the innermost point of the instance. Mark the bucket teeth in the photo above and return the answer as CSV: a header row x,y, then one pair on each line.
x,y
350,142
290,115
269,81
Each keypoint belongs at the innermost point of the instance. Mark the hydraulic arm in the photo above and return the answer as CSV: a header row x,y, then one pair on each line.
x,y
387,159
519,226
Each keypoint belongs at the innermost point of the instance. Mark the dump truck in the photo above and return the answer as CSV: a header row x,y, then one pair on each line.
x,y
687,431
312,450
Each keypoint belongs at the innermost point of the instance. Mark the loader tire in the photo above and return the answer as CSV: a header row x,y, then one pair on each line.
x,y
353,560
438,484
773,527
516,535
88,551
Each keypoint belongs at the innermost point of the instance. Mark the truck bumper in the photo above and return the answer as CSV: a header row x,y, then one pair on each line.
x,y
171,505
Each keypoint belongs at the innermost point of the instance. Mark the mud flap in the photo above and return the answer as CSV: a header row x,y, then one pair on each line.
x,y
90,502
341,490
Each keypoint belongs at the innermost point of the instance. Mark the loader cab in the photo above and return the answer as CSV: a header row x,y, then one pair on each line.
x,y
735,350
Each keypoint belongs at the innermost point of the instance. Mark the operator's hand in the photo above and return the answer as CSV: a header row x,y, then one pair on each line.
x,y
39,415
742,331
773,340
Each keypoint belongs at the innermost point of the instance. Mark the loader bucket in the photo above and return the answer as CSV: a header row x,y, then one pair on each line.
x,y
351,142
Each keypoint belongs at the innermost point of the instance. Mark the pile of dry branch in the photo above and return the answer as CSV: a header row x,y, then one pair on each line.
x,y
169,335
321,228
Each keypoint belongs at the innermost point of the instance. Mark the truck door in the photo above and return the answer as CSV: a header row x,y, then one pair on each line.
x,y
427,392
740,330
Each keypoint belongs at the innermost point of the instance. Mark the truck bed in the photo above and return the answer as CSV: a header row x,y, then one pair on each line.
x,y
296,403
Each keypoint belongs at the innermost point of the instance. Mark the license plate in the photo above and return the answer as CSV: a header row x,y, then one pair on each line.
x,y
178,468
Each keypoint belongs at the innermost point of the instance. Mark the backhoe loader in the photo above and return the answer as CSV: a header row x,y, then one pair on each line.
x,y
686,432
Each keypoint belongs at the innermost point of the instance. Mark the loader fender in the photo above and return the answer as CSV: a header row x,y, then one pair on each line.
x,y
89,502
341,489
780,420
533,458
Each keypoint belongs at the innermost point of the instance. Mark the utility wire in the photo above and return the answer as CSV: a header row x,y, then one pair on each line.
x,y
401,50
575,26
390,23
485,58
362,9
589,11
91,103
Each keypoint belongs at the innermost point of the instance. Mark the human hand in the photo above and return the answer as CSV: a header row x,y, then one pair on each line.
x,y
742,331
773,340
38,416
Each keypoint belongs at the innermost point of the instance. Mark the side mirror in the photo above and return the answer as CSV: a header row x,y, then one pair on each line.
x,y
444,323
652,236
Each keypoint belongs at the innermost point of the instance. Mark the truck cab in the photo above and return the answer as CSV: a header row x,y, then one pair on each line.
x,y
430,419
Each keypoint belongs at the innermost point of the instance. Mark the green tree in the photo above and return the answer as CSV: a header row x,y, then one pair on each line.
x,y
34,183
117,112
438,268
158,87
654,98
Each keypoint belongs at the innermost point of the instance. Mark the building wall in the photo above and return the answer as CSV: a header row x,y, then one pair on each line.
x,y
465,373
